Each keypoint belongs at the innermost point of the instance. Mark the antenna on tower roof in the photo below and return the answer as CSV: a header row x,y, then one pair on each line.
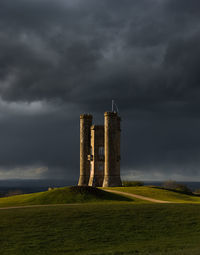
x,y
114,106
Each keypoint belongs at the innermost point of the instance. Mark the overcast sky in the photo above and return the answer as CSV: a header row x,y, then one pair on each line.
x,y
60,58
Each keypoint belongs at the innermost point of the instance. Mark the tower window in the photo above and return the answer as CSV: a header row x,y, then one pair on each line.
x,y
101,151
101,167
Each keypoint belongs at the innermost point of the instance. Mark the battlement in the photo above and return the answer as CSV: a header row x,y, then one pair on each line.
x,y
111,114
85,116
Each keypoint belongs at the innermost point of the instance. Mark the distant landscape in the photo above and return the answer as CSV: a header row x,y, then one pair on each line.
x,y
30,186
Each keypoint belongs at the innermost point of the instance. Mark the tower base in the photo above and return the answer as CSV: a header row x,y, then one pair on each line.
x,y
96,181
112,181
83,180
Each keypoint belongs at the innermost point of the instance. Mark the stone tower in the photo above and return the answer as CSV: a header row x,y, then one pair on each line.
x,y
100,151
112,150
85,125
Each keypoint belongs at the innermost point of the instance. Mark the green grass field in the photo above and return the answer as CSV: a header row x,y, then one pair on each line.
x,y
161,194
122,228
64,195
99,223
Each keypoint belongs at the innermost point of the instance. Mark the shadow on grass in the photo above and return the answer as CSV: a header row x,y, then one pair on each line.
x,y
98,193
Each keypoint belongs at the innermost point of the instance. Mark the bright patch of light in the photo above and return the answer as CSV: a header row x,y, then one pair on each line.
x,y
29,172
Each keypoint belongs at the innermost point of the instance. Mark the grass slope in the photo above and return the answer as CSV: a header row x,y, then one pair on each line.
x,y
62,196
101,229
161,194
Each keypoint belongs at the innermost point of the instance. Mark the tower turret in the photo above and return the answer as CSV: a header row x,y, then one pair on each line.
x,y
85,137
112,149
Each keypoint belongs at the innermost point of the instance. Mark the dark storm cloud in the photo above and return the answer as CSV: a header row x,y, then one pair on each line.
x,y
38,137
75,56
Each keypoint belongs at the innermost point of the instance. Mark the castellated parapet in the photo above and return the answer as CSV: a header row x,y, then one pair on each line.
x,y
100,151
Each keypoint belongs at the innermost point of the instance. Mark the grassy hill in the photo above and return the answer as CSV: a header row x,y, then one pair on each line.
x,y
101,223
161,194
101,229
69,195
62,196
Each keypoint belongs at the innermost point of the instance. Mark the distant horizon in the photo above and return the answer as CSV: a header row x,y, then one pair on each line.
x,y
61,181
31,186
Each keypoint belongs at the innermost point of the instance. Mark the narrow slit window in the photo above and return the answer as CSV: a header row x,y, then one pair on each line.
x,y
101,167
101,151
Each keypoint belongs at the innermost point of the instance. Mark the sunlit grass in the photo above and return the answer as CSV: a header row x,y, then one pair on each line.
x,y
160,194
